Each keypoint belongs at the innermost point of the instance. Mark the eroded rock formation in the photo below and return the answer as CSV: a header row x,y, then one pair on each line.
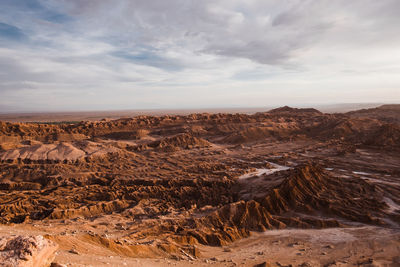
x,y
158,186
26,251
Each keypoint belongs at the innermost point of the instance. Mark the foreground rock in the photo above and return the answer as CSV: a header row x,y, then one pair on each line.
x,y
26,251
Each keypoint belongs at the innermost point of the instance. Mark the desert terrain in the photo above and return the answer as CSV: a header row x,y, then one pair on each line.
x,y
285,187
77,116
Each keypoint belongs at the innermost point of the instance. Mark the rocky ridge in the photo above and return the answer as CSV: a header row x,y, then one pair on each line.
x,y
174,183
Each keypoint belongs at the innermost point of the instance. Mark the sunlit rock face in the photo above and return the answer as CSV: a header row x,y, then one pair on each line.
x,y
26,251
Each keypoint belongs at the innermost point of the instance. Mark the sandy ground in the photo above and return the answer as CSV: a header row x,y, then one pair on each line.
x,y
355,246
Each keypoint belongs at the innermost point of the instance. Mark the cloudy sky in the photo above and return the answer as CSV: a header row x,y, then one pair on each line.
x,y
58,55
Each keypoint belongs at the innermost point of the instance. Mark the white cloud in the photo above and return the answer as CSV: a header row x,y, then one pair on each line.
x,y
179,53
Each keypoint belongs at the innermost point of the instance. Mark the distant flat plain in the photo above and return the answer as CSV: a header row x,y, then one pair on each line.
x,y
76,116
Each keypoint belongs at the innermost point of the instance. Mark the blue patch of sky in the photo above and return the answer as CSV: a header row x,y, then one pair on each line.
x,y
149,58
55,17
20,20
33,7
10,32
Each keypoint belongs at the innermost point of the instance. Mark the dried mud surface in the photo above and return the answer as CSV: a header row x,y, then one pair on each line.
x,y
207,188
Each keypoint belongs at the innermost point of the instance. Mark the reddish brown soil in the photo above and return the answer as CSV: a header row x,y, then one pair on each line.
x,y
171,186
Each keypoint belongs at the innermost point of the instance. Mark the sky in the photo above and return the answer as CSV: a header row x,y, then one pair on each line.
x,y
66,55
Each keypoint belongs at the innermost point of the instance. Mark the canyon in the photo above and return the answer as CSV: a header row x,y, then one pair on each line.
x,y
287,186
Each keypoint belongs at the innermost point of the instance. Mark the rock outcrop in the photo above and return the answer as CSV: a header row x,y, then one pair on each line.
x,y
387,136
162,184
295,111
26,251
